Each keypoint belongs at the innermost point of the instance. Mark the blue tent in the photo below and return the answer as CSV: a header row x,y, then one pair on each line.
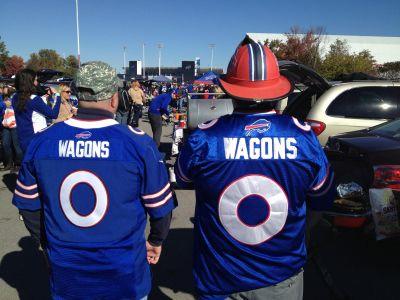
x,y
161,78
207,78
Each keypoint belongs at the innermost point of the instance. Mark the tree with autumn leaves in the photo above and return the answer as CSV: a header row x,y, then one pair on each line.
x,y
306,48
44,59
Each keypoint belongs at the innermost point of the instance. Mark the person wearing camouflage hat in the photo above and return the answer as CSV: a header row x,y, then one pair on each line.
x,y
96,81
95,181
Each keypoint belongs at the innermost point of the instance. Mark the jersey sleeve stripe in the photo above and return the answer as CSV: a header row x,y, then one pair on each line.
x,y
157,204
319,185
158,194
324,190
34,196
26,187
181,174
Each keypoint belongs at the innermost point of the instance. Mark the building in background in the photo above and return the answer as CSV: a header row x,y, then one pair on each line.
x,y
184,73
383,48
196,66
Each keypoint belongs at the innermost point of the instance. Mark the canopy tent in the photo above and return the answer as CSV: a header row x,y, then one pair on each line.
x,y
207,78
161,78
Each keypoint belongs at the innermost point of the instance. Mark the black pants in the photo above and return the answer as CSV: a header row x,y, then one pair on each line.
x,y
135,115
156,127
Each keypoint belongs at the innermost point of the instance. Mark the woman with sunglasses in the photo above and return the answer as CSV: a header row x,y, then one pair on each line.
x,y
67,110
30,110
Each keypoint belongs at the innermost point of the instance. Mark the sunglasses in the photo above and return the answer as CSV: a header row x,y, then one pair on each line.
x,y
68,92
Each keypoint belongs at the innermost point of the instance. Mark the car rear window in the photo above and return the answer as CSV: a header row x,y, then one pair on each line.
x,y
367,102
391,129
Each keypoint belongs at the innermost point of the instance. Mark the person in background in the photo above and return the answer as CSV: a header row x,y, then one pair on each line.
x,y
124,103
9,136
138,98
158,110
30,110
67,110
1,92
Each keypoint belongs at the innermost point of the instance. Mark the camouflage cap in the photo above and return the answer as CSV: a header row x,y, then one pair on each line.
x,y
96,81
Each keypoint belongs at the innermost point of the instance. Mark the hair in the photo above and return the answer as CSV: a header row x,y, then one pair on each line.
x,y
24,83
10,91
63,87
135,84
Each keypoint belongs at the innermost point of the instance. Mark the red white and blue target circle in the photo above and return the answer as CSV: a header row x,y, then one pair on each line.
x,y
101,198
253,209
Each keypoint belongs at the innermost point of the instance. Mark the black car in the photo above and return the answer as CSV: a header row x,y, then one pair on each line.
x,y
370,158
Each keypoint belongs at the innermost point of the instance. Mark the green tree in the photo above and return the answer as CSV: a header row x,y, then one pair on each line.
x,y
46,59
71,65
3,55
277,46
339,61
390,70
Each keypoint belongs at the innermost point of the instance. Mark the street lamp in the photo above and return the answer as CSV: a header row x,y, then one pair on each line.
x,y
77,32
159,46
124,62
144,66
124,58
211,46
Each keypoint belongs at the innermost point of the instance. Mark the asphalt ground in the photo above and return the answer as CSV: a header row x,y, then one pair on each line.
x,y
343,264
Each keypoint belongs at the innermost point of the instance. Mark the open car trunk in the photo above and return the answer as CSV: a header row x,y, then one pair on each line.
x,y
310,83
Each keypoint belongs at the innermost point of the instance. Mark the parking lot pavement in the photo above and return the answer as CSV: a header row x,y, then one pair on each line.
x,y
357,266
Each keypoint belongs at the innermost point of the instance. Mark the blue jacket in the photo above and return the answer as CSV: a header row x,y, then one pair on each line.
x,y
159,105
33,118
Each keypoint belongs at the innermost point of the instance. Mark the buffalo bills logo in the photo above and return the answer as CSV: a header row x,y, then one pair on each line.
x,y
84,135
259,126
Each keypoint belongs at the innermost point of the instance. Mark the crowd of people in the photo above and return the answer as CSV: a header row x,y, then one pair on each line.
x,y
36,106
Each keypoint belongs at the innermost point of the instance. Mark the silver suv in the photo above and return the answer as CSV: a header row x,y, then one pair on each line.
x,y
344,107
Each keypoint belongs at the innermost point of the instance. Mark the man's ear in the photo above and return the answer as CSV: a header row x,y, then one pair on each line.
x,y
114,101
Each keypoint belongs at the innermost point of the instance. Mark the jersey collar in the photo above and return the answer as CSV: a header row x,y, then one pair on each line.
x,y
91,118
271,112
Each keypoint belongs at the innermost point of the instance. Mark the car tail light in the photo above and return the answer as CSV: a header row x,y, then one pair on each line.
x,y
387,176
317,126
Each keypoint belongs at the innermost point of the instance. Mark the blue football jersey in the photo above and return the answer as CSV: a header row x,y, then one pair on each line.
x,y
96,181
252,174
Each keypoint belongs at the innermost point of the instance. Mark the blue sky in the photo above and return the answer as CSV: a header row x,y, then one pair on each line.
x,y
184,27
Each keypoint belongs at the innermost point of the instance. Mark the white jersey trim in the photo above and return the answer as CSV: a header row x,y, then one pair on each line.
x,y
90,124
136,130
26,187
34,196
155,195
305,127
207,125
162,202
271,112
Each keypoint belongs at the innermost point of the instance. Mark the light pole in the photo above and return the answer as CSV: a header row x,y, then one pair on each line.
x,y
211,46
124,62
144,66
77,32
124,58
159,46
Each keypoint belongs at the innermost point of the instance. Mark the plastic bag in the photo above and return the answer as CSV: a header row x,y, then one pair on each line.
x,y
9,118
385,213
349,190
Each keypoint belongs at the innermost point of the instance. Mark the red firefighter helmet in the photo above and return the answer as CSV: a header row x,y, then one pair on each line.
x,y
253,74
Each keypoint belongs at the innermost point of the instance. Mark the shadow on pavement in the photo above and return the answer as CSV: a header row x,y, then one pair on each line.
x,y
10,181
25,270
174,270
